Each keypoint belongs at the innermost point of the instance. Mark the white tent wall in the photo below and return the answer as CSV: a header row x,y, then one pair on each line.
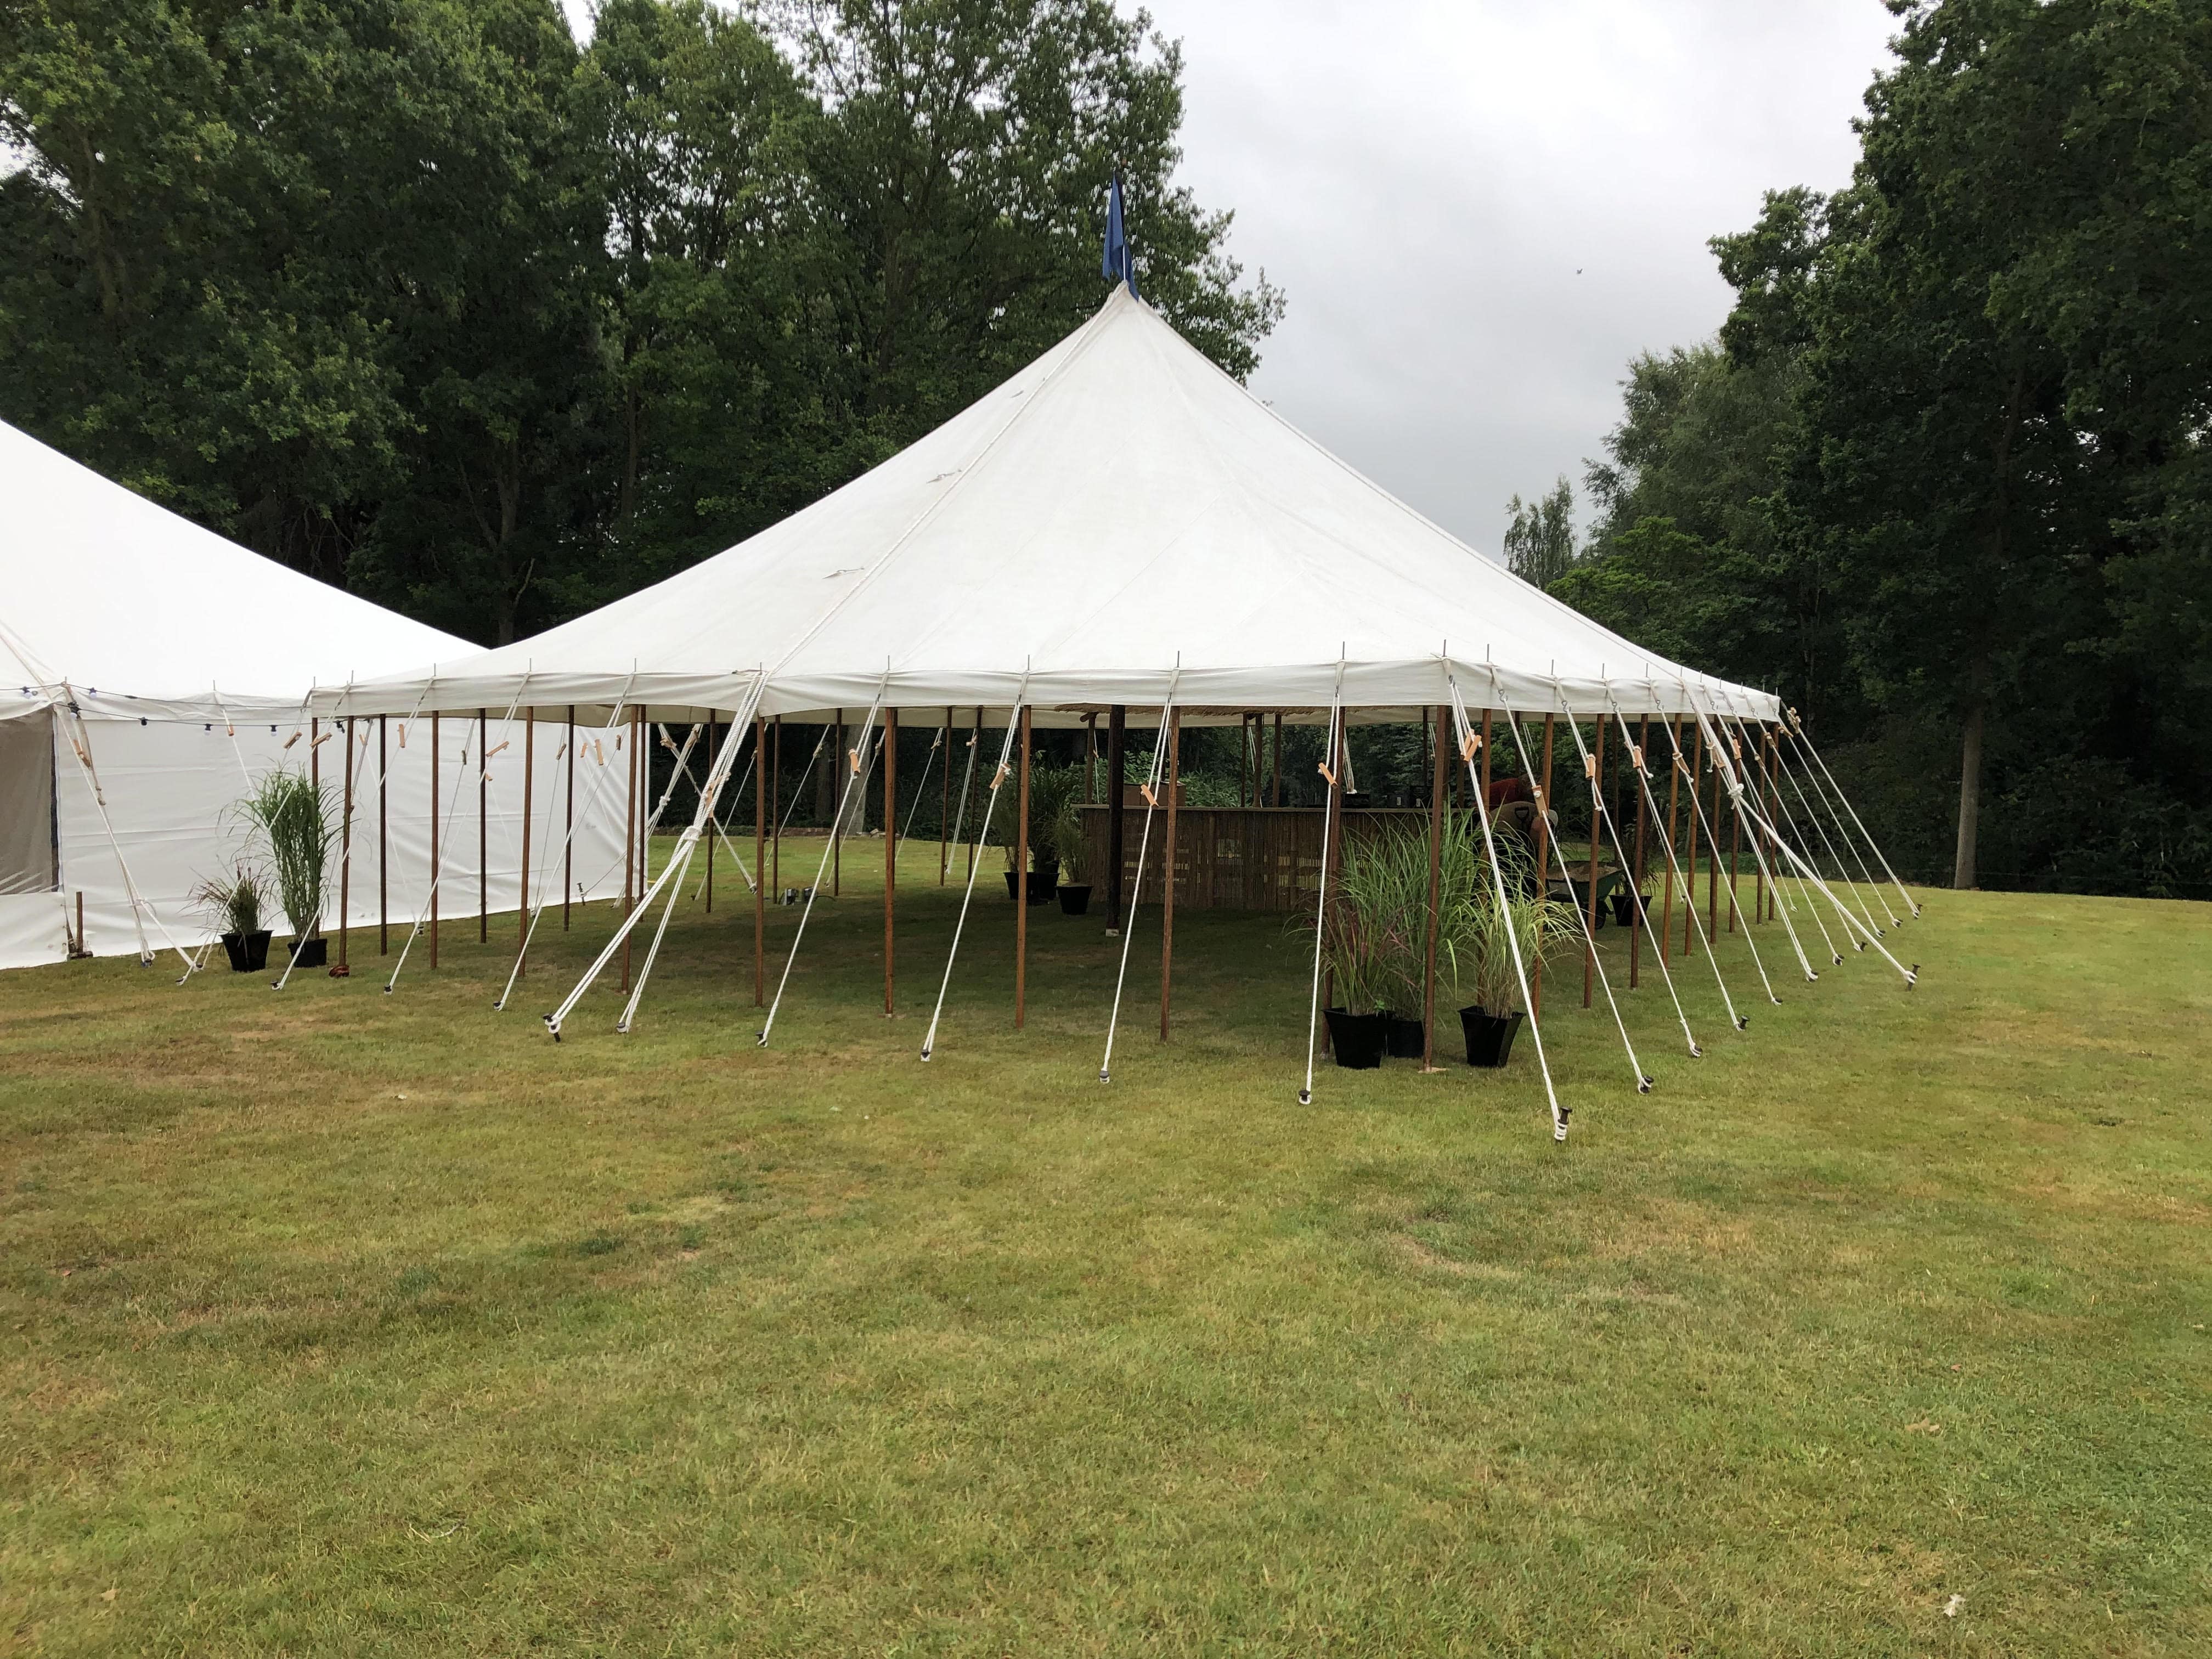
x,y
172,789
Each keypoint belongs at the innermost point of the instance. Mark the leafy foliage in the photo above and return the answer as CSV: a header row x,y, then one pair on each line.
x,y
292,820
424,298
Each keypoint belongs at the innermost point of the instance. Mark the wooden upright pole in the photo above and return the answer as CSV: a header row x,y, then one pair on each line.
x,y
629,841
1117,737
1713,846
1690,835
890,844
1774,841
483,827
529,779
713,841
1636,874
1278,757
837,819
944,806
1171,735
1673,807
345,856
1484,783
568,821
1022,880
775,806
1437,784
1735,835
976,739
383,845
1543,868
760,887
1597,825
433,840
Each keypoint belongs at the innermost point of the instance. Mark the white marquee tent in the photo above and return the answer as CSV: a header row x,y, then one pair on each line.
x,y
1120,526
1119,522
150,668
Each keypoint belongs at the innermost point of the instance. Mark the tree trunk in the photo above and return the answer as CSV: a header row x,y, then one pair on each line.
x,y
1970,795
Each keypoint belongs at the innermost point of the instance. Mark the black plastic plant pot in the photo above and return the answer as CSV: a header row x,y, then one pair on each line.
x,y
1489,1036
248,952
1012,889
1043,883
1624,906
1407,1038
1357,1040
1075,900
309,952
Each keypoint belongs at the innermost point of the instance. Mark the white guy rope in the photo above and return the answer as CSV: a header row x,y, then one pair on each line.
x,y
930,760
1151,790
1329,749
1799,731
854,780
556,856
1843,870
669,871
982,840
1469,742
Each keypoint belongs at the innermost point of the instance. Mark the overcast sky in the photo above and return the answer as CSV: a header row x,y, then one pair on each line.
x,y
1480,209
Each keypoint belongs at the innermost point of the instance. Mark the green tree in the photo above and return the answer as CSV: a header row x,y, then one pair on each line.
x,y
1540,537
960,168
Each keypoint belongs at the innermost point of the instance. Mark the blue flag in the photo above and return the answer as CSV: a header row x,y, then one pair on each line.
x,y
1118,262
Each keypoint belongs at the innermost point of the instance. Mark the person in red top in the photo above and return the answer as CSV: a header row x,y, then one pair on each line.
x,y
1504,792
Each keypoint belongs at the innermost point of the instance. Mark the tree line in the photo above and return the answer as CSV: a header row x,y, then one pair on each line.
x,y
1944,480
427,299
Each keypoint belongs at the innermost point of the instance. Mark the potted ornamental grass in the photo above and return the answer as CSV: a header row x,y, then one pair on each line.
x,y
1051,787
1067,841
1477,949
290,817
234,903
1385,881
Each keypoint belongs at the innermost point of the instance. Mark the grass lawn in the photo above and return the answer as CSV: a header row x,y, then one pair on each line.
x,y
342,1323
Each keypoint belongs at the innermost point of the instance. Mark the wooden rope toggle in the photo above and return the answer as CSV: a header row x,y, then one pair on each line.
x,y
1146,790
1467,745
1322,768
294,738
1000,775
1589,767
1635,756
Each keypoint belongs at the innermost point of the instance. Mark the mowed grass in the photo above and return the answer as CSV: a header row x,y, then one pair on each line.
x,y
343,1323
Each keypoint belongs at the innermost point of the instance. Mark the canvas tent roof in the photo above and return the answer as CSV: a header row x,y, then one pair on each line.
x,y
1117,518
144,613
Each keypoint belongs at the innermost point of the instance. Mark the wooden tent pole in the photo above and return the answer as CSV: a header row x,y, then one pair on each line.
x,y
774,734
1278,757
383,845
838,823
1735,836
1332,847
529,778
1773,817
568,820
1437,775
1636,761
1171,735
890,844
976,739
345,856
714,841
1543,868
434,839
1673,807
1597,817
944,805
1117,738
1713,846
760,887
1456,770
483,827
1022,879
1697,782
630,839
